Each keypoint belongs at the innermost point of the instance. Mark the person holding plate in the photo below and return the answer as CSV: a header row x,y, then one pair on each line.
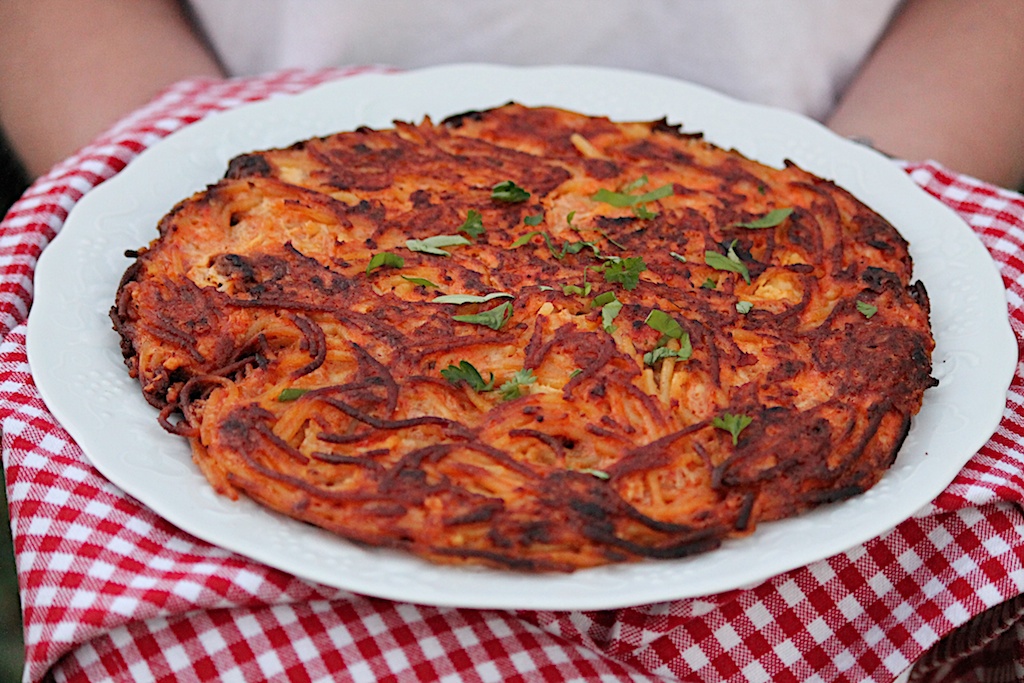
x,y
918,79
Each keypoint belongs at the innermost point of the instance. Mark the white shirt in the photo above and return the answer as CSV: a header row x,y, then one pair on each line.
x,y
797,54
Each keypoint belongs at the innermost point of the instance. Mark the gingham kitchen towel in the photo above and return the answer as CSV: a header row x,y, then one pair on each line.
x,y
110,591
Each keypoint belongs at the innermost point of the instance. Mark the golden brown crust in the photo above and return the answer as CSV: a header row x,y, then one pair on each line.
x,y
569,448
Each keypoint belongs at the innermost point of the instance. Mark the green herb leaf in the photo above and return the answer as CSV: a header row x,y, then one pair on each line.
x,y
624,200
625,271
568,220
635,185
534,220
709,284
474,224
291,394
493,318
600,474
652,357
730,262
619,200
611,240
513,388
769,220
743,307
432,245
524,239
609,311
576,290
567,247
683,353
658,193
678,257
385,258
459,299
643,212
669,329
662,322
575,248
508,191
734,424
420,281
465,372
866,309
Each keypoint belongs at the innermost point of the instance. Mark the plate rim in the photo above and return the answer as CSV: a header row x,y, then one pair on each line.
x,y
49,262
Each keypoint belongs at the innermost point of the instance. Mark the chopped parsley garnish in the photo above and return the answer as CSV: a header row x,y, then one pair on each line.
x,y
734,424
612,241
513,388
291,394
525,239
642,211
662,322
769,220
662,352
866,309
626,200
600,474
508,191
610,308
670,329
385,258
567,247
568,220
473,225
534,220
576,247
743,307
729,261
459,299
625,271
709,283
635,185
677,256
465,372
493,318
420,281
432,245
577,290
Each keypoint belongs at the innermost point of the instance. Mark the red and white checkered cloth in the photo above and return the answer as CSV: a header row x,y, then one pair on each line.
x,y
110,591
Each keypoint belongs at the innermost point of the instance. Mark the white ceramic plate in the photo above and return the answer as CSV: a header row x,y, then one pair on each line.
x,y
77,363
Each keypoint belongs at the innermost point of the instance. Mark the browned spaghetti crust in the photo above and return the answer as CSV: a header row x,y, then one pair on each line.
x,y
681,342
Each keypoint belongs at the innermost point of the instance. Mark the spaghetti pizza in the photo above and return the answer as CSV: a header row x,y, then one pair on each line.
x,y
529,338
